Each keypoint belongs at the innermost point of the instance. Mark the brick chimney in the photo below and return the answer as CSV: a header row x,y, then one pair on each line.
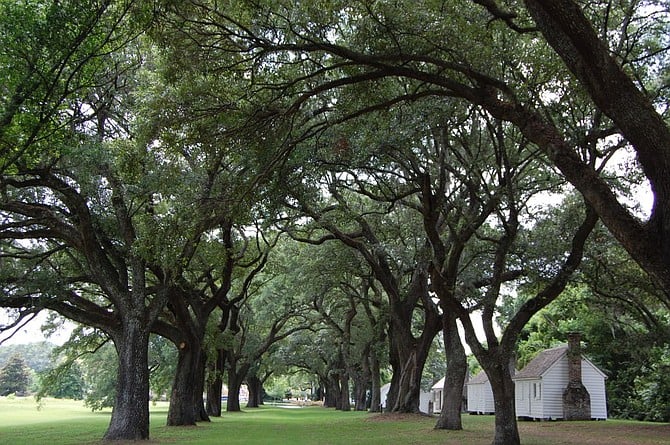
x,y
576,398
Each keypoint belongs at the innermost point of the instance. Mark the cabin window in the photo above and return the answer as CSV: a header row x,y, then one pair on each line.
x,y
537,390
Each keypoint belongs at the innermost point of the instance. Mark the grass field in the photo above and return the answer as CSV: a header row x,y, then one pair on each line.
x,y
62,422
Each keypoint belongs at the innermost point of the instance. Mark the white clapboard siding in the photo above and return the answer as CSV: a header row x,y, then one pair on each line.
x,y
529,398
480,398
555,380
594,381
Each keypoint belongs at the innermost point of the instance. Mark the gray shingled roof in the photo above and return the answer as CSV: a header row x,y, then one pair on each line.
x,y
541,363
480,378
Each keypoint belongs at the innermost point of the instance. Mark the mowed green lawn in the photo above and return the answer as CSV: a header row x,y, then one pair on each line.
x,y
61,422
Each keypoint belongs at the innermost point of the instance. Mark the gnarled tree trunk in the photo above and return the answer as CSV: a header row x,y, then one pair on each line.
x,y
235,379
332,391
215,384
186,404
408,360
130,416
502,385
457,370
255,385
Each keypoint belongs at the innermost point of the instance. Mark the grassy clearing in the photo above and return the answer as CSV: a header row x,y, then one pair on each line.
x,y
61,422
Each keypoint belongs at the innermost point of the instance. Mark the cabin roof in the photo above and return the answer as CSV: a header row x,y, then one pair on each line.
x,y
478,379
541,363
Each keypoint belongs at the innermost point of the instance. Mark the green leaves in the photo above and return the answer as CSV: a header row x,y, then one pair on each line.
x,y
55,57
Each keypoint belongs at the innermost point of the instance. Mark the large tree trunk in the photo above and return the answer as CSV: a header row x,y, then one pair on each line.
x,y
344,402
130,416
392,394
500,377
332,391
362,381
215,384
186,397
255,385
409,386
234,385
331,395
457,370
235,380
361,390
572,36
412,355
214,395
199,406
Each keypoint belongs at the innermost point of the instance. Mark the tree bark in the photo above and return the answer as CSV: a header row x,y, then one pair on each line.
x,y
215,384
457,370
234,385
409,385
199,403
184,401
361,390
375,397
405,391
332,392
130,416
255,391
344,402
361,379
392,394
335,390
236,376
502,385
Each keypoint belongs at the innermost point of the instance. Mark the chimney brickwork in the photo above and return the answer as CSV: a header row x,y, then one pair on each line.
x,y
576,398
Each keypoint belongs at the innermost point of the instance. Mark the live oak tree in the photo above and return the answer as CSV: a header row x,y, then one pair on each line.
x,y
600,66
200,118
66,253
469,179
78,264
215,182
83,215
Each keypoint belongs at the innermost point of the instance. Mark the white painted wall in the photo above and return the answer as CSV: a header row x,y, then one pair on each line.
x,y
480,398
529,395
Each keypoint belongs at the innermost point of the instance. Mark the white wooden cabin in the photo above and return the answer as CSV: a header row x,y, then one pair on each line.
x,y
480,395
539,386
